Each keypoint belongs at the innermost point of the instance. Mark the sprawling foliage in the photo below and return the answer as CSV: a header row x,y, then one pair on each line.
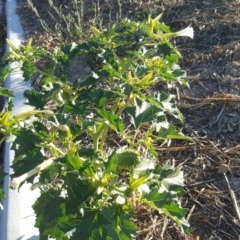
x,y
93,142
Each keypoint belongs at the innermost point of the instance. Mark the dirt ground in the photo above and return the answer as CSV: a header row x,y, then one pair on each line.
x,y
211,108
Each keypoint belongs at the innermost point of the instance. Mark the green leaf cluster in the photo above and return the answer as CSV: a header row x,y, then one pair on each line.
x,y
119,113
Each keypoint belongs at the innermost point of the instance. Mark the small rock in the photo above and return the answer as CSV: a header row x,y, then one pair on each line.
x,y
230,129
234,72
223,168
236,55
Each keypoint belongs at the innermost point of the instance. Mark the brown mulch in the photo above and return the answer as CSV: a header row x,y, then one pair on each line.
x,y
211,109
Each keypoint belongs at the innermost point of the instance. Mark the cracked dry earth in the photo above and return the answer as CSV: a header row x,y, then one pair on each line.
x,y
211,108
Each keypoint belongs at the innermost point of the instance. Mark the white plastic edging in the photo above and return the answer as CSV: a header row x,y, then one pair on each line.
x,y
17,219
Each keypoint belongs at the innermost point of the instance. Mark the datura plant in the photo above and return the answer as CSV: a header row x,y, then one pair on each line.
x,y
92,150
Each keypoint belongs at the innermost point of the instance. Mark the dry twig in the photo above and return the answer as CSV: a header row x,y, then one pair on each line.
x,y
233,196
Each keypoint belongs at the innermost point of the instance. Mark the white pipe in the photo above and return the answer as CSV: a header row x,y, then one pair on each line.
x,y
17,219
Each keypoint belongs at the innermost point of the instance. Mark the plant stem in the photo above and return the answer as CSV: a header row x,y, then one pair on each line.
x,y
41,72
96,137
119,190
55,148
128,104
104,129
104,135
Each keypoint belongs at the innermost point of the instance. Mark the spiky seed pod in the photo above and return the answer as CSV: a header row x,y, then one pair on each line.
x,y
127,159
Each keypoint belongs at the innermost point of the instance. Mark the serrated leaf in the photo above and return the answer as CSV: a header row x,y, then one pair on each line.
x,y
165,203
72,49
180,76
4,73
167,103
173,59
157,200
53,172
143,112
112,120
100,96
87,152
175,210
27,163
54,233
110,164
96,77
10,105
28,68
164,49
35,99
74,161
25,142
49,208
184,224
78,191
146,163
120,226
164,28
169,131
91,226
181,222
174,178
6,92
178,189
2,174
2,196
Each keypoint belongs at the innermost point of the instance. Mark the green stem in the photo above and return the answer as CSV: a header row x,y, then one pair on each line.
x,y
119,190
104,135
42,72
96,138
121,110
95,145
116,104
47,73
55,148
51,75
102,132
104,129
128,104
132,143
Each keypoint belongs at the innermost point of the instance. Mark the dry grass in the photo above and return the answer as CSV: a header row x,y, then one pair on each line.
x,y
211,108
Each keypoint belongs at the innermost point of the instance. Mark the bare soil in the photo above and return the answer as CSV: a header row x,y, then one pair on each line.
x,y
211,107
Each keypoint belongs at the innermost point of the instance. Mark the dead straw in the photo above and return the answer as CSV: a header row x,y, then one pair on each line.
x,y
233,196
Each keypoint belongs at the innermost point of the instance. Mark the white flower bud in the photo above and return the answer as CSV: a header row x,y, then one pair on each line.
x,y
17,181
120,200
187,32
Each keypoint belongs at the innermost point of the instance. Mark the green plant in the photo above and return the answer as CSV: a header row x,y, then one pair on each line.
x,y
92,143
